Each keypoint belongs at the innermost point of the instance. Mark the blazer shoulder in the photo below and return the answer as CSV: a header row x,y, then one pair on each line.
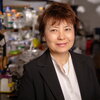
x,y
82,57
35,62
32,63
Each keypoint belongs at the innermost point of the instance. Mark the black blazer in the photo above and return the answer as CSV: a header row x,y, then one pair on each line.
x,y
40,81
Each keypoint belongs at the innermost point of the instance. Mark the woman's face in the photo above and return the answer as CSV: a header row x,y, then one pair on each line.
x,y
59,37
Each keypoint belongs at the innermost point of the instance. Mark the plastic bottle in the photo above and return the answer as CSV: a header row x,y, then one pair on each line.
x,y
9,21
0,20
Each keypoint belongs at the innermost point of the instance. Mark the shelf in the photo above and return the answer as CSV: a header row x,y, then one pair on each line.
x,y
24,28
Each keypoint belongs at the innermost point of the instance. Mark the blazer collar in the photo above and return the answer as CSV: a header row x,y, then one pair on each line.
x,y
79,69
50,76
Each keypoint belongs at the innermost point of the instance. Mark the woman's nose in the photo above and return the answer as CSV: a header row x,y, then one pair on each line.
x,y
61,35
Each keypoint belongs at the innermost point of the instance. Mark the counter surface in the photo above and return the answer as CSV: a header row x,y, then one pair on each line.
x,y
6,97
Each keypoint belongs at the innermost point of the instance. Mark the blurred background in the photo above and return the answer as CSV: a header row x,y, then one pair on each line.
x,y
20,40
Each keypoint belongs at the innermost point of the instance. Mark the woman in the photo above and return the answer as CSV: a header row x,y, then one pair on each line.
x,y
59,74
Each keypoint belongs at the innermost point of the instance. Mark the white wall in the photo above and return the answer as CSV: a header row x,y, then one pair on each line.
x,y
90,18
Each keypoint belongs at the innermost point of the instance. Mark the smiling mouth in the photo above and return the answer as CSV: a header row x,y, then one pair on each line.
x,y
61,44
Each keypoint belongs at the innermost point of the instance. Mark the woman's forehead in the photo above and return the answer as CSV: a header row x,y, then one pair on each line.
x,y
53,22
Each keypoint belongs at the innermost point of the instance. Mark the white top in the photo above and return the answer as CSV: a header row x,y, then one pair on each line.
x,y
67,79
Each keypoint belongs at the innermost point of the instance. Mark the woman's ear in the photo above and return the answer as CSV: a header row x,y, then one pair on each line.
x,y
43,39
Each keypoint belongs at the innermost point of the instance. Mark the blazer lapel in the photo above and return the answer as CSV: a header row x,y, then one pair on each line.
x,y
48,73
79,69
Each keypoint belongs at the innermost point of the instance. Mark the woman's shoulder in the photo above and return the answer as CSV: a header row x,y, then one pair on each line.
x,y
81,56
84,60
36,61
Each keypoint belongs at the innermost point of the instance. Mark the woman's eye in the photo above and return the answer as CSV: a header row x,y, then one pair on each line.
x,y
53,30
68,29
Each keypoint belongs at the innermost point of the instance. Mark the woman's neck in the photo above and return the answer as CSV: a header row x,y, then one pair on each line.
x,y
61,59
